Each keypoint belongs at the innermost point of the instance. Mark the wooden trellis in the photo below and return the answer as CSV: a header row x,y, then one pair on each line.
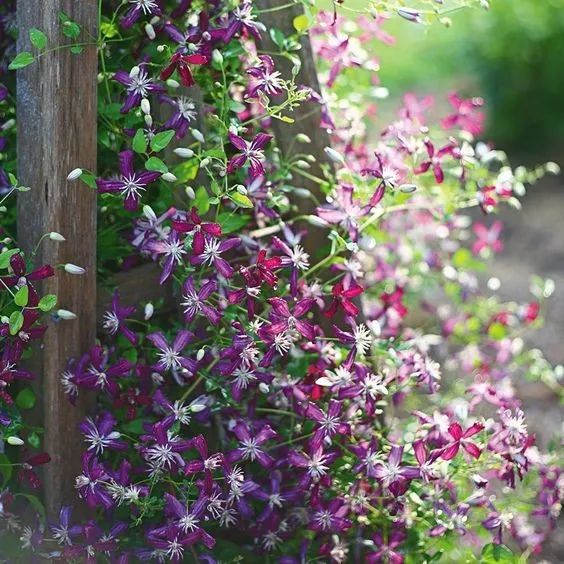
x,y
57,115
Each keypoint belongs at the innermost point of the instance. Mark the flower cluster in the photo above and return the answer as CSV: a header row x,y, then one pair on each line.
x,y
293,406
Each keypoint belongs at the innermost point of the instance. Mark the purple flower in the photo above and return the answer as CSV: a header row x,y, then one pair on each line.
x,y
249,151
211,255
63,532
193,302
184,112
435,158
138,9
94,541
450,519
139,85
101,435
392,474
90,484
329,423
131,184
296,258
315,465
163,451
386,552
193,223
206,463
285,320
170,357
330,518
242,20
115,317
250,448
172,248
265,78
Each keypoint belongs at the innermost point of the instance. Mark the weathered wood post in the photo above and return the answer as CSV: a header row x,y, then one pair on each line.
x,y
56,114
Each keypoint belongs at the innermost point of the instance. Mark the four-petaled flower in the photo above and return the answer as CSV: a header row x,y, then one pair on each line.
x,y
249,151
182,63
460,438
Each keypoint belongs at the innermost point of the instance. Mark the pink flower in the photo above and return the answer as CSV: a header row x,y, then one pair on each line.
x,y
466,115
487,238
461,439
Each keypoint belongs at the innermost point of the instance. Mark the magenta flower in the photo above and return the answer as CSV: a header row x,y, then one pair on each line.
x,y
285,320
194,302
387,551
194,224
460,438
251,445
182,63
328,424
115,318
205,464
21,277
251,152
466,114
131,184
170,356
211,255
314,465
172,249
435,159
487,238
392,474
262,270
342,298
265,79
138,86
90,484
331,517
242,20
138,9
100,434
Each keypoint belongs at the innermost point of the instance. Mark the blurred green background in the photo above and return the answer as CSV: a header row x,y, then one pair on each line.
x,y
511,54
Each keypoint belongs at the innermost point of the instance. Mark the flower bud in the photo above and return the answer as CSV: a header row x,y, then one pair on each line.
x,y
74,174
200,354
149,213
74,269
302,192
150,31
8,124
264,388
145,106
302,138
184,153
335,156
217,57
149,310
409,14
408,188
241,189
302,164
134,72
171,83
317,221
204,162
54,236
65,314
169,177
161,48
190,192
23,188
14,441
197,134
148,121
197,407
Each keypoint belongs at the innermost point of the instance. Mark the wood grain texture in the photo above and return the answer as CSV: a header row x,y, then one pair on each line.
x,y
308,116
57,111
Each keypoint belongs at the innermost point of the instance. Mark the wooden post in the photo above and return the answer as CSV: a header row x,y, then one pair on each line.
x,y
308,116
56,114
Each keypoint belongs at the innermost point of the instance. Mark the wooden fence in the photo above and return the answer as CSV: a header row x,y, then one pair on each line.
x,y
57,115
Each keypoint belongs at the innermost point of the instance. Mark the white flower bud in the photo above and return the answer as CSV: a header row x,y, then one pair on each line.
x,y
409,14
190,192
23,188
169,177
150,31
161,48
8,124
217,57
4,319
74,174
149,213
317,221
66,314
302,192
149,310
197,407
204,162
241,189
264,388
14,441
408,188
148,120
171,83
154,20
184,153
54,236
200,354
134,72
302,138
302,164
145,106
335,156
74,269
197,134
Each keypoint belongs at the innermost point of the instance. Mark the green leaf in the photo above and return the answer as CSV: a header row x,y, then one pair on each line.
x,y
16,322
135,427
240,199
34,440
71,29
109,29
139,142
22,296
187,170
202,201
77,49
21,61
6,256
38,38
156,164
161,140
493,553
231,222
277,36
26,399
89,179
6,469
48,302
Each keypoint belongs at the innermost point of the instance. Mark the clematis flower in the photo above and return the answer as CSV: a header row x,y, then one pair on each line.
x,y
95,541
21,277
211,255
285,320
249,151
184,112
466,114
194,224
115,318
328,424
434,161
296,258
138,86
265,79
138,9
90,483
342,298
460,438
172,249
63,532
487,238
262,270
314,464
170,356
391,473
193,301
181,63
27,473
242,20
251,445
130,184
101,435
330,517
451,519
163,450
205,464
386,551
